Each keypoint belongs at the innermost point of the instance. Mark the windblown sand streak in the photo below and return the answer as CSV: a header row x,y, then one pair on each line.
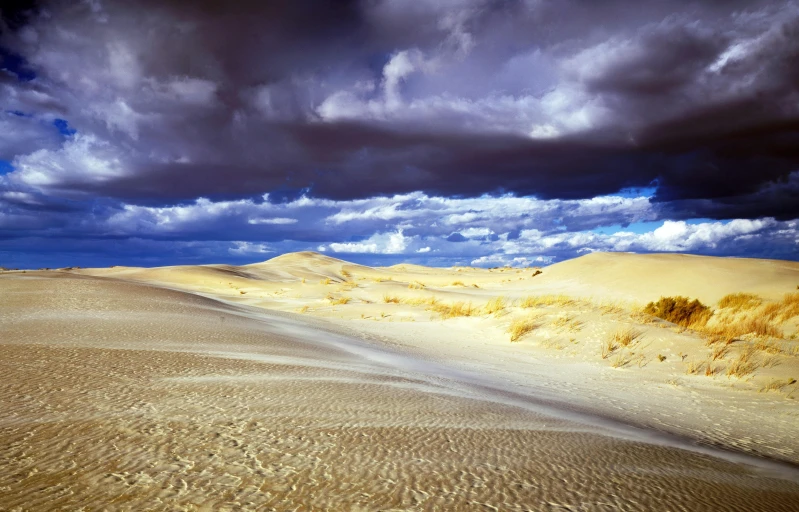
x,y
123,396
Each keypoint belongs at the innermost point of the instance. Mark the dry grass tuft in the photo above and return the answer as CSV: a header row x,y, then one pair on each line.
x,y
552,343
744,364
416,285
346,273
734,327
522,326
626,337
740,301
711,369
713,338
458,283
325,281
391,299
768,346
719,352
419,301
611,307
694,367
680,310
565,321
340,300
454,310
778,385
304,309
495,305
621,360
534,301
608,346
784,309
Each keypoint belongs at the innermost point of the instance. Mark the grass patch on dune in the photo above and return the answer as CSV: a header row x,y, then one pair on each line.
x,y
454,310
626,337
740,301
728,328
335,301
568,322
621,338
391,299
522,326
495,305
778,384
608,347
783,309
680,310
534,301
743,365
621,360
420,301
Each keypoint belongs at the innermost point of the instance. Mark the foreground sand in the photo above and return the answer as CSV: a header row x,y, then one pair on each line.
x,y
124,395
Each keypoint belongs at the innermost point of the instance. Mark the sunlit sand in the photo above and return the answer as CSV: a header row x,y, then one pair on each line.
x,y
309,383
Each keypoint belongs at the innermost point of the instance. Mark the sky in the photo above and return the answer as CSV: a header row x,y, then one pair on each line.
x,y
438,132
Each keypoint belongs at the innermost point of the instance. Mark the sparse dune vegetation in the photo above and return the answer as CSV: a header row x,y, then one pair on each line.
x,y
522,326
495,305
455,309
534,301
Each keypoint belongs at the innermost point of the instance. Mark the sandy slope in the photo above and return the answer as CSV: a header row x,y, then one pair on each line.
x,y
121,392
645,277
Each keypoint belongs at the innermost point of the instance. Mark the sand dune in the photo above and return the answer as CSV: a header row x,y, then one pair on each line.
x,y
169,388
645,277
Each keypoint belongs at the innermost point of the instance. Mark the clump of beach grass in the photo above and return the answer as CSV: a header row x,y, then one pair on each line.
x,y
609,345
740,301
522,326
626,336
743,365
454,310
534,301
495,305
680,310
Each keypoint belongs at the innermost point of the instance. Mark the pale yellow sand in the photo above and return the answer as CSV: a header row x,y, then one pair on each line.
x,y
127,396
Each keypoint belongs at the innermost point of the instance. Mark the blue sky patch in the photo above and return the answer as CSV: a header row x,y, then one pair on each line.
x,y
64,128
5,167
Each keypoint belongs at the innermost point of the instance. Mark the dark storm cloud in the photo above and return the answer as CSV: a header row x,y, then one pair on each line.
x,y
181,99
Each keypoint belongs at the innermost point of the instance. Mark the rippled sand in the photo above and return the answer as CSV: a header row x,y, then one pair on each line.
x,y
123,396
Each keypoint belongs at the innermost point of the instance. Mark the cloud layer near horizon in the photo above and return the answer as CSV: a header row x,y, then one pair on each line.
x,y
449,131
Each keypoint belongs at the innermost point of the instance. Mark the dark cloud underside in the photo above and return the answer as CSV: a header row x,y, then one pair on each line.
x,y
108,104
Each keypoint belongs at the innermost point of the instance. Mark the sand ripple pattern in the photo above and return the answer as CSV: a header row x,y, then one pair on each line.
x,y
115,397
